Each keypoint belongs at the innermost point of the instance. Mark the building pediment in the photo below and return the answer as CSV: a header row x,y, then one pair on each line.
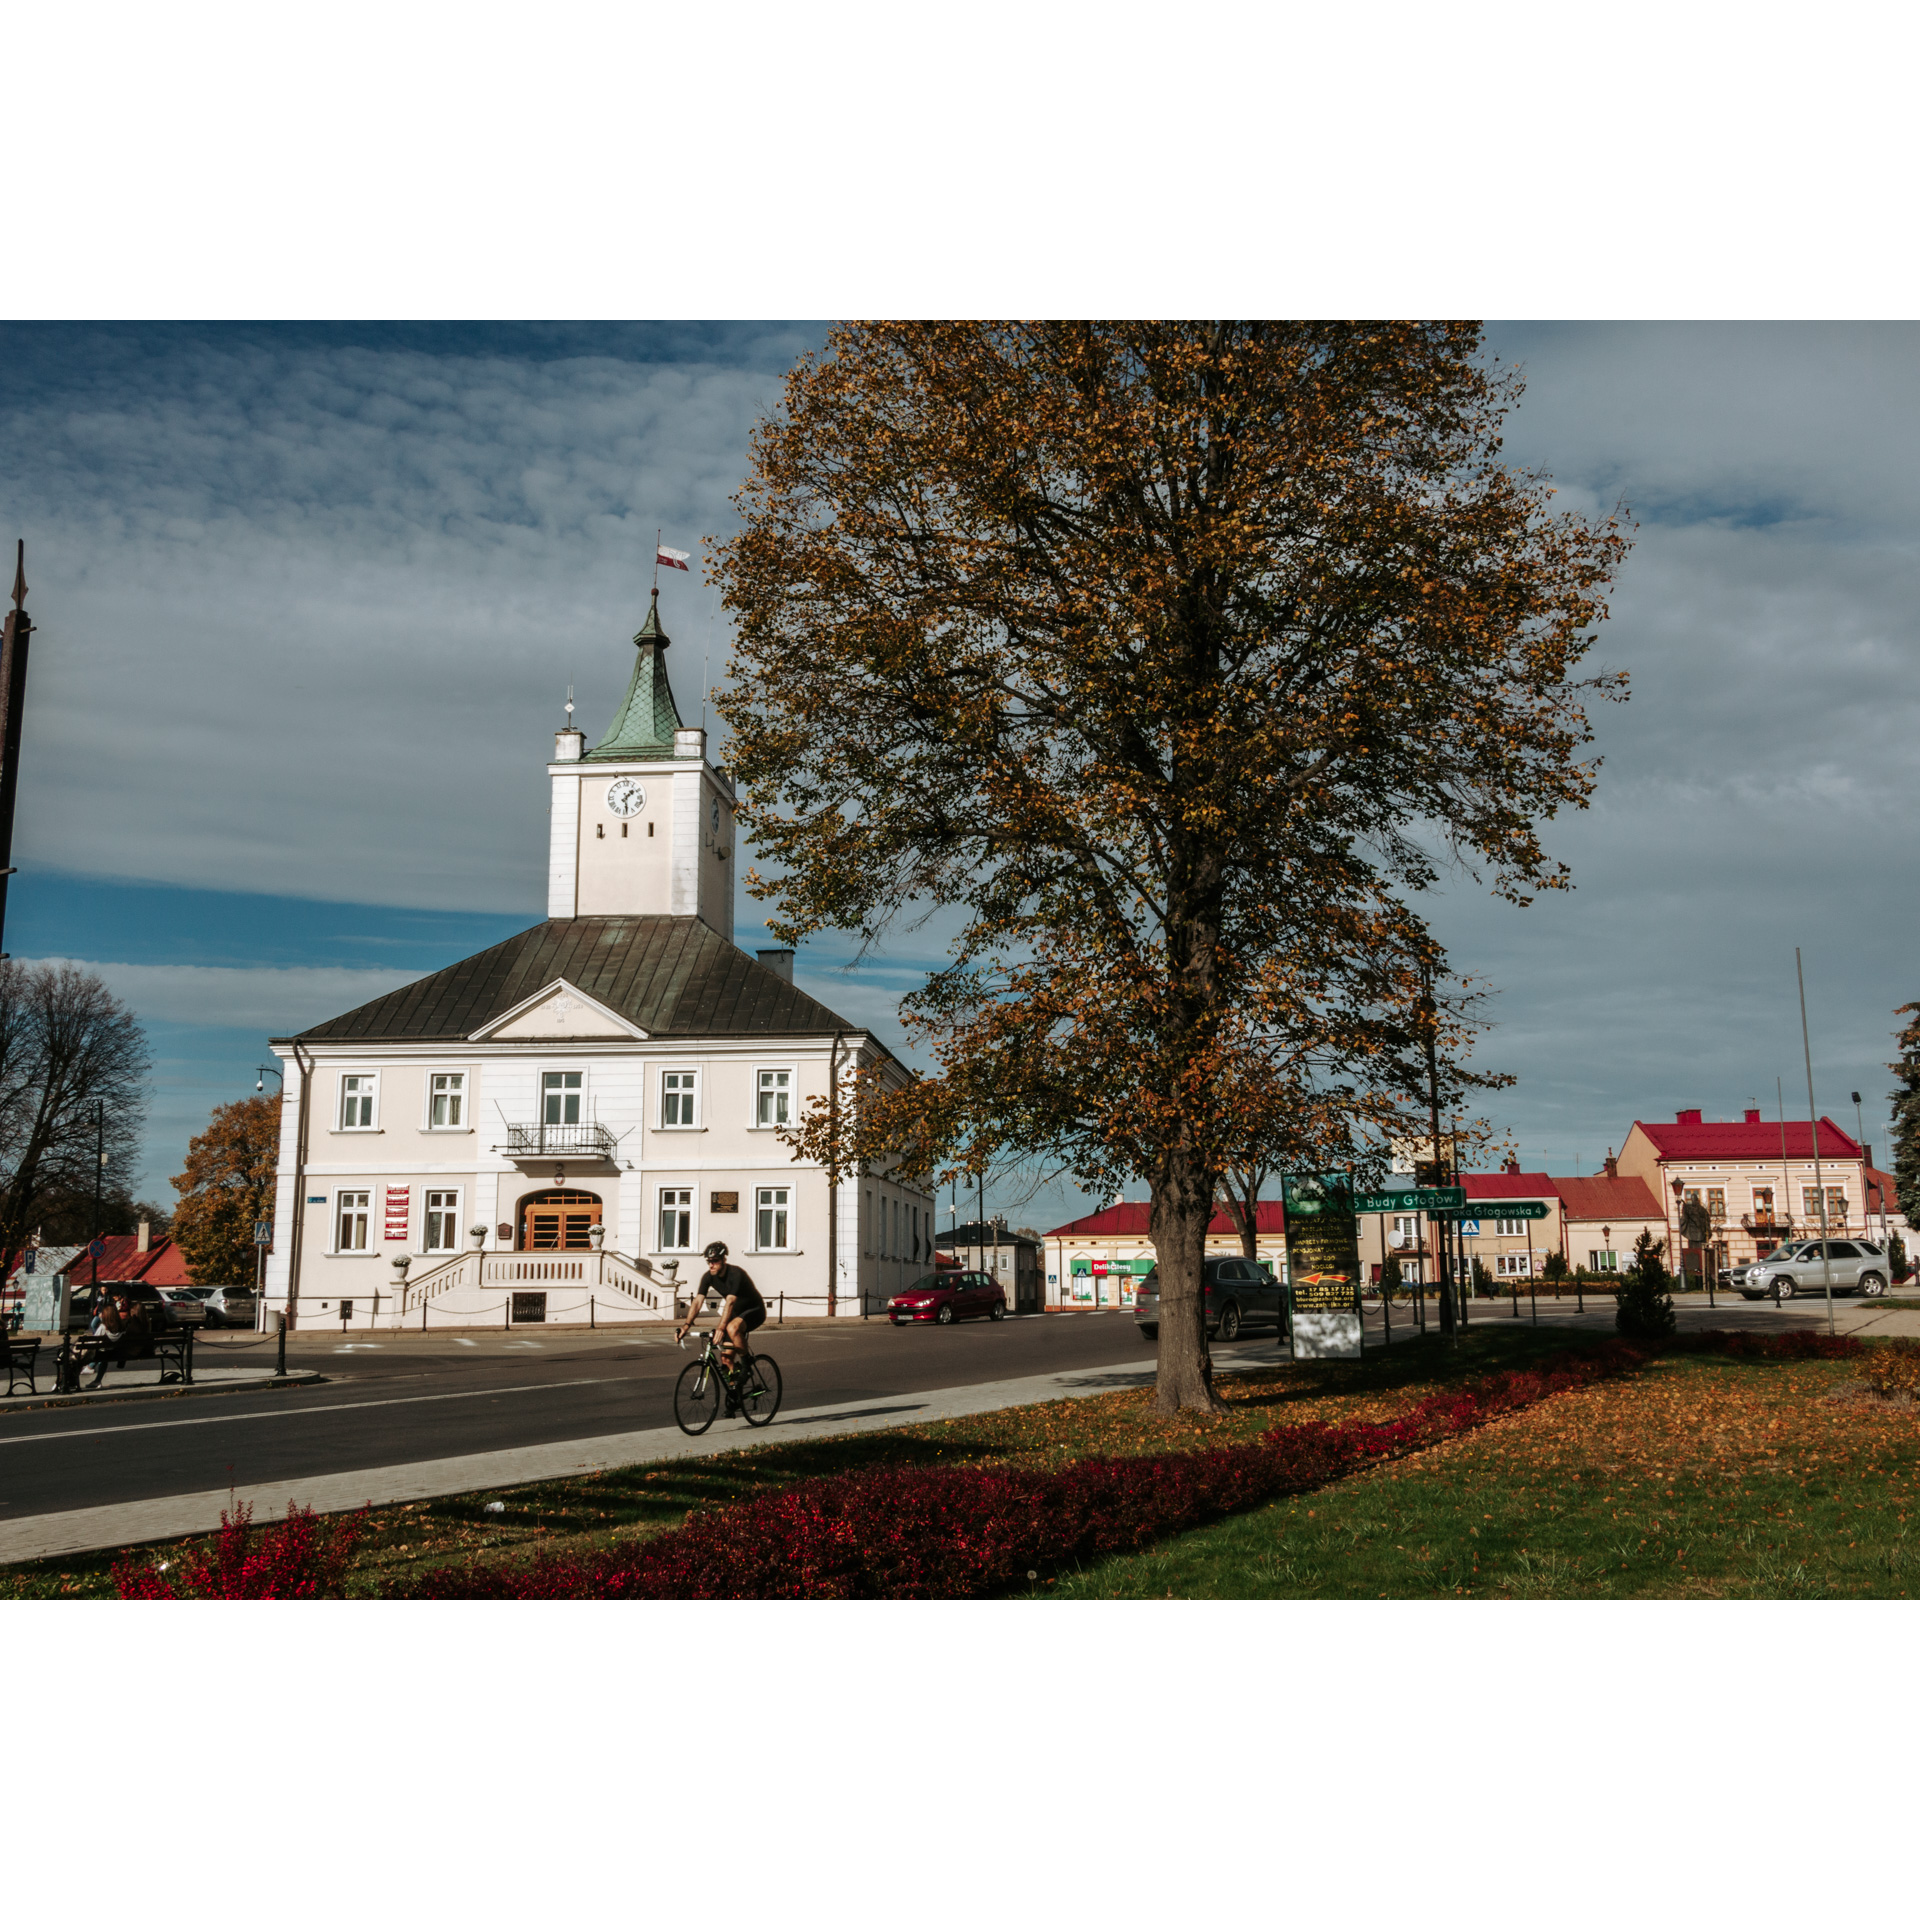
x,y
559,1011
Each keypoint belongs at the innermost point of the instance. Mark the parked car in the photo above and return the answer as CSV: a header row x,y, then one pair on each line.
x,y
169,1309
947,1297
226,1306
1240,1294
1857,1266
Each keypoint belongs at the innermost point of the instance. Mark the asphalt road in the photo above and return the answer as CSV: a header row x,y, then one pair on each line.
x,y
389,1402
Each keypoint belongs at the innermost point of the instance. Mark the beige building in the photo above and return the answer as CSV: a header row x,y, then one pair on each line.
x,y
1755,1177
1602,1216
550,1131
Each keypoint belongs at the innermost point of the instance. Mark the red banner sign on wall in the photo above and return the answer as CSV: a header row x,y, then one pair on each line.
x,y
399,1200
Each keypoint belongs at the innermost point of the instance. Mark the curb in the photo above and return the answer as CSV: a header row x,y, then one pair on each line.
x,y
121,1396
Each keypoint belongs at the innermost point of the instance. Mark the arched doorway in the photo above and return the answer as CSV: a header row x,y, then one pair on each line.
x,y
557,1220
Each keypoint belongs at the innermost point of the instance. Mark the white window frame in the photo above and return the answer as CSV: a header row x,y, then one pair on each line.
x,y
1512,1266
370,1093
791,1090
464,1095
363,1213
662,1244
540,1098
661,1124
428,1212
1603,1259
786,1212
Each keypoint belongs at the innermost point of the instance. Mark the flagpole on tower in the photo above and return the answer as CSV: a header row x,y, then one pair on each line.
x,y
659,534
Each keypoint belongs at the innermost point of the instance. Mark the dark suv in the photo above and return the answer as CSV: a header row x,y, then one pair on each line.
x,y
1241,1294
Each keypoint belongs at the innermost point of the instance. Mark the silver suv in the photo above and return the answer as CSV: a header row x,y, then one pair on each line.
x,y
1857,1266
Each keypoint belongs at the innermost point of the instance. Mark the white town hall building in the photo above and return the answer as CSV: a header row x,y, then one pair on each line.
x,y
550,1131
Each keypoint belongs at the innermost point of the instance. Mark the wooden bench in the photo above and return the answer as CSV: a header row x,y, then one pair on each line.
x,y
168,1344
23,1357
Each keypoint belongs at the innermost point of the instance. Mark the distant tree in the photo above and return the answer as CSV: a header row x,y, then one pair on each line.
x,y
1645,1309
73,1064
1906,1114
1390,1277
1482,1279
1897,1263
1169,658
225,1188
64,1216
1555,1271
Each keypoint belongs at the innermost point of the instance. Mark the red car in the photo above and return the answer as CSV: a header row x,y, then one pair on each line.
x,y
947,1297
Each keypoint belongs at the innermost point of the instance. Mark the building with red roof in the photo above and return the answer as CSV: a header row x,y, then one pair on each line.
x,y
1097,1260
1756,1178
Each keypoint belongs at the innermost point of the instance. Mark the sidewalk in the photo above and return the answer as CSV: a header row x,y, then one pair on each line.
x,y
90,1529
141,1381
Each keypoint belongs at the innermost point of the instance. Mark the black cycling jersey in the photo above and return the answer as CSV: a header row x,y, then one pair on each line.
x,y
737,1282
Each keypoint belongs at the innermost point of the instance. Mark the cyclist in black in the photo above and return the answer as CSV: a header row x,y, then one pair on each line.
x,y
741,1307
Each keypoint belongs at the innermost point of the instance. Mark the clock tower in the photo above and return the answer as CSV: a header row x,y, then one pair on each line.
x,y
642,823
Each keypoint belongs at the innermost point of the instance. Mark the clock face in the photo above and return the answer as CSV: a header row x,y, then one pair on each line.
x,y
626,796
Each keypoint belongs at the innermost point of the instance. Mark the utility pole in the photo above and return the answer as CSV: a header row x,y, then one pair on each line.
x,y
99,1165
1429,1022
13,705
1813,1123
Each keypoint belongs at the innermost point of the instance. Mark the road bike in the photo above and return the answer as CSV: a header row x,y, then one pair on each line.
x,y
706,1385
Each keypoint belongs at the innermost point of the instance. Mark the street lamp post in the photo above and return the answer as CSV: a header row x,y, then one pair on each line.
x,y
263,1229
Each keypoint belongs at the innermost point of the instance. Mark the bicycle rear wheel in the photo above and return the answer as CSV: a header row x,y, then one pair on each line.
x,y
696,1397
760,1397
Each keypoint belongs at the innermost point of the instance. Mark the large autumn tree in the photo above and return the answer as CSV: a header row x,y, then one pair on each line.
x,y
73,1067
226,1188
1172,660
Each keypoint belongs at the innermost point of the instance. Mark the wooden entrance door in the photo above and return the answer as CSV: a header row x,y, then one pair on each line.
x,y
558,1220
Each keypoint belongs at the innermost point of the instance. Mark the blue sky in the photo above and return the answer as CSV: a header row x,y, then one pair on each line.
x,y
308,599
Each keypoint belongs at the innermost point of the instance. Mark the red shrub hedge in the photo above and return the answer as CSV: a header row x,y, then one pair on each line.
x,y
301,1558
954,1532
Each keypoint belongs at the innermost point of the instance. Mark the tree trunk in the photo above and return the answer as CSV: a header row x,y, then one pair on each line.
x,y
1182,1209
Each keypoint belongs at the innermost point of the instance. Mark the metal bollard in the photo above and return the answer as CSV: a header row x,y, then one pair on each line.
x,y
280,1356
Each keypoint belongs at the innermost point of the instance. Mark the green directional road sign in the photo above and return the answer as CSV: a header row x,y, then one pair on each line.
x,y
1411,1200
1505,1210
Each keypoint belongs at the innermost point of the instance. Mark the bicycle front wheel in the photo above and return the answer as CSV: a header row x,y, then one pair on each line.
x,y
760,1397
696,1397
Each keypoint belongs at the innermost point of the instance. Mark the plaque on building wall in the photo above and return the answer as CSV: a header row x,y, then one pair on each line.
x,y
726,1202
399,1201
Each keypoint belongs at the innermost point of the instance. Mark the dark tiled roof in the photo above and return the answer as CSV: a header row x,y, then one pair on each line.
x,y
668,973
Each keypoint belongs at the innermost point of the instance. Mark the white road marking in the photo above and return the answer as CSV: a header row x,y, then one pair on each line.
x,y
284,1413
459,1340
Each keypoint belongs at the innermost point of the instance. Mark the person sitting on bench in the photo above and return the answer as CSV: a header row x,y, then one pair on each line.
x,y
125,1331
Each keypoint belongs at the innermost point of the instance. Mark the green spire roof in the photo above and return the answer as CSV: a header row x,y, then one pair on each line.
x,y
643,728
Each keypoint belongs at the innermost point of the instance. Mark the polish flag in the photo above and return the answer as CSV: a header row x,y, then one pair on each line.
x,y
672,557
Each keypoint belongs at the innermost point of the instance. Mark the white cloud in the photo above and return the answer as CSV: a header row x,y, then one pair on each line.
x,y
276,1000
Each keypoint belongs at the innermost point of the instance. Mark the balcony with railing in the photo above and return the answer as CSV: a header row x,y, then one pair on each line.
x,y
579,1140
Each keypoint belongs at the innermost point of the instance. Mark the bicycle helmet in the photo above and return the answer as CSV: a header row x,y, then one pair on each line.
x,y
716,1250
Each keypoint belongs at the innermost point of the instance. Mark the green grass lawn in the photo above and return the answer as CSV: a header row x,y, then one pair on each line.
x,y
1701,1477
